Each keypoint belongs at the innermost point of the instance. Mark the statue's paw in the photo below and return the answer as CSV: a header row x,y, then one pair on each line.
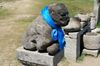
x,y
41,47
53,49
30,46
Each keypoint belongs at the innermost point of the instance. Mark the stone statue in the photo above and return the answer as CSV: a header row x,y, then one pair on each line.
x,y
38,34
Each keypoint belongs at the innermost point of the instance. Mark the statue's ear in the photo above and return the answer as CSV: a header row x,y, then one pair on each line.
x,y
55,16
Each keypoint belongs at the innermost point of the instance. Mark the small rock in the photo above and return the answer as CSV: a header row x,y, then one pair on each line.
x,y
66,36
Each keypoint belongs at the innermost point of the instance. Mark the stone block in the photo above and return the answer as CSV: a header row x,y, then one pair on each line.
x,y
72,50
74,44
73,35
34,58
91,52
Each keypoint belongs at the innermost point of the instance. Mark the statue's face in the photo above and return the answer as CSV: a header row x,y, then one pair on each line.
x,y
59,14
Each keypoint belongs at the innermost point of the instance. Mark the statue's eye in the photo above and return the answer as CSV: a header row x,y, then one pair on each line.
x,y
63,14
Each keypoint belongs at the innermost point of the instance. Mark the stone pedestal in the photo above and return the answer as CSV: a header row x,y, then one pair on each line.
x,y
34,58
97,12
74,43
91,52
91,41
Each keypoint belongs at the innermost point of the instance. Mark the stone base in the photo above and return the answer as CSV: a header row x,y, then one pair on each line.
x,y
74,44
71,49
34,58
91,52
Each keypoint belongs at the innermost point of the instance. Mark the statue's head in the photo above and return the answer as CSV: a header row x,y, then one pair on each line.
x,y
59,14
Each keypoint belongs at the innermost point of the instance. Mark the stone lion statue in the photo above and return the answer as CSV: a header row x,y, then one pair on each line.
x,y
38,34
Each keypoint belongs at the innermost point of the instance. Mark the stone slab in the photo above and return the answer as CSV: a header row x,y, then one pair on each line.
x,y
39,59
91,52
74,35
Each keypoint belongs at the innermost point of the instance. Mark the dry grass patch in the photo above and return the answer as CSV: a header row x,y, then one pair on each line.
x,y
17,17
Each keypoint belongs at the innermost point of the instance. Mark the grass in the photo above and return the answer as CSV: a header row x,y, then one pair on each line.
x,y
4,13
63,59
73,6
98,25
7,1
16,16
81,58
98,32
64,62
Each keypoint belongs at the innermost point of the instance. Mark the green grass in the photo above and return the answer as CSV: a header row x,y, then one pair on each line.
x,y
63,59
64,62
81,58
98,32
7,1
98,25
73,6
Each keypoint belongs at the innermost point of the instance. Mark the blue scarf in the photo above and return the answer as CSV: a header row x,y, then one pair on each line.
x,y
57,32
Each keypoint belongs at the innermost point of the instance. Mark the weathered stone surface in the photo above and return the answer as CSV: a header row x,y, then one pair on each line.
x,y
91,52
53,47
83,24
59,14
72,49
84,17
91,41
32,58
92,15
38,34
96,2
97,12
73,25
93,23
73,35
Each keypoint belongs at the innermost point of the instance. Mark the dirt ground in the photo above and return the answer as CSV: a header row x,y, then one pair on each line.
x,y
10,32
